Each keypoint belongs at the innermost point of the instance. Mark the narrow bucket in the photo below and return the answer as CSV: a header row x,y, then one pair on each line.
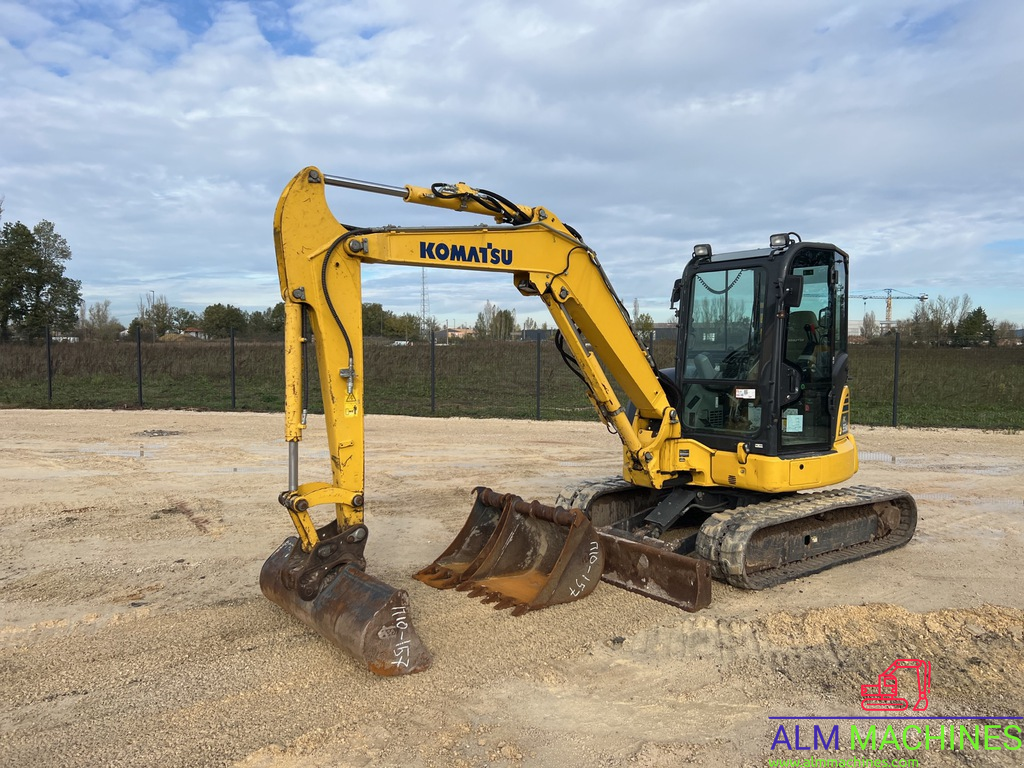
x,y
363,616
534,555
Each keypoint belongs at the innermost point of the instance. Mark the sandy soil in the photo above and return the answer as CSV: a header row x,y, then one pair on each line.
x,y
133,631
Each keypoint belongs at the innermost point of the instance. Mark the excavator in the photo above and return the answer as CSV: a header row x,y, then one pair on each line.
x,y
883,696
729,457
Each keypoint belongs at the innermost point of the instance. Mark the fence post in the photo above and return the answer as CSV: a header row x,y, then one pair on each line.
x,y
138,358
538,377
433,373
896,382
232,369
49,367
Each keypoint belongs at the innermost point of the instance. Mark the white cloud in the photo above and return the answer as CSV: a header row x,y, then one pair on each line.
x,y
157,136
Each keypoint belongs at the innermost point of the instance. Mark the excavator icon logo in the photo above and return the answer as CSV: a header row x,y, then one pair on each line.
x,y
883,696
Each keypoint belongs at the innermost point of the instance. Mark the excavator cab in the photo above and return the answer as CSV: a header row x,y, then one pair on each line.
x,y
760,389
761,348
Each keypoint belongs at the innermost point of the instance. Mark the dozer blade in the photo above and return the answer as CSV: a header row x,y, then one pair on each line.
x,y
356,612
650,568
641,564
534,556
470,546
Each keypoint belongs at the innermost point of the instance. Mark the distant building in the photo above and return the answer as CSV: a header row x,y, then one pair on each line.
x,y
665,331
533,334
448,335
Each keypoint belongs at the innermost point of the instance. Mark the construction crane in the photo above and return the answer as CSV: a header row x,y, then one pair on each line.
x,y
887,294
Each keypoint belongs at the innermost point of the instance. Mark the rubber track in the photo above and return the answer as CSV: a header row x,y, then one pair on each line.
x,y
724,537
581,496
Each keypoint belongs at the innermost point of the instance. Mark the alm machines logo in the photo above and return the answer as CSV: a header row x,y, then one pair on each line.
x,y
895,719
883,696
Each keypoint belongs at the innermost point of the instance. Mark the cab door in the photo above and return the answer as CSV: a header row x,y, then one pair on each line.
x,y
814,340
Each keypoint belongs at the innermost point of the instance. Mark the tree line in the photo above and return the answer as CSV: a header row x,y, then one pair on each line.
x,y
36,296
944,321
156,319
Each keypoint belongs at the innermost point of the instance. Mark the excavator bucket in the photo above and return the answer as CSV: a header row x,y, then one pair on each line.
x,y
358,613
633,561
533,555
470,546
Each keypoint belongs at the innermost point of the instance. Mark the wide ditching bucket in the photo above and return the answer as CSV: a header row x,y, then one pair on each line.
x,y
471,545
356,612
520,555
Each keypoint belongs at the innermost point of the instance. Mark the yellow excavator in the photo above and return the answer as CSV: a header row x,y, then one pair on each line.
x,y
723,453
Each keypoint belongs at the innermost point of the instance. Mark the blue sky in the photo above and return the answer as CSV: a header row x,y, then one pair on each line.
x,y
157,136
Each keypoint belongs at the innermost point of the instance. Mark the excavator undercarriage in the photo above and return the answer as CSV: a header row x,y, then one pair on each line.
x,y
725,455
749,540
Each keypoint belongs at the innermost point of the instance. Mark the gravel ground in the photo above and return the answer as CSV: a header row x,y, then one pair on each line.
x,y
133,631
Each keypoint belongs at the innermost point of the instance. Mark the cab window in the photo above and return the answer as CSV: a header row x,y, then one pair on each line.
x,y
722,351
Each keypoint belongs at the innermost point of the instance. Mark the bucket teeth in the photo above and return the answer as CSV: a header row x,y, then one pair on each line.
x,y
520,555
459,561
448,581
439,578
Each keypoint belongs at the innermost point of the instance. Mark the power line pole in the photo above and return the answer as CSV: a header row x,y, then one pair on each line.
x,y
424,304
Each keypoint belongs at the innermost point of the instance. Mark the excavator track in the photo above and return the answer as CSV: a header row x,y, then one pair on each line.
x,y
761,545
759,542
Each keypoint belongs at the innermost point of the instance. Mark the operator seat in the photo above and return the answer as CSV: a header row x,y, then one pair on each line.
x,y
800,336
705,370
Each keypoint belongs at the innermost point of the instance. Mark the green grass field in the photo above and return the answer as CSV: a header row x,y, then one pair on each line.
x,y
978,387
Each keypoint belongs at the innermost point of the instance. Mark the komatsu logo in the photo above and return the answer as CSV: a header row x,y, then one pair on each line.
x,y
460,253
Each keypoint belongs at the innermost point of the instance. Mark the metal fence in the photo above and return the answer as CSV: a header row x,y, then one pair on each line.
x,y
892,383
480,379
